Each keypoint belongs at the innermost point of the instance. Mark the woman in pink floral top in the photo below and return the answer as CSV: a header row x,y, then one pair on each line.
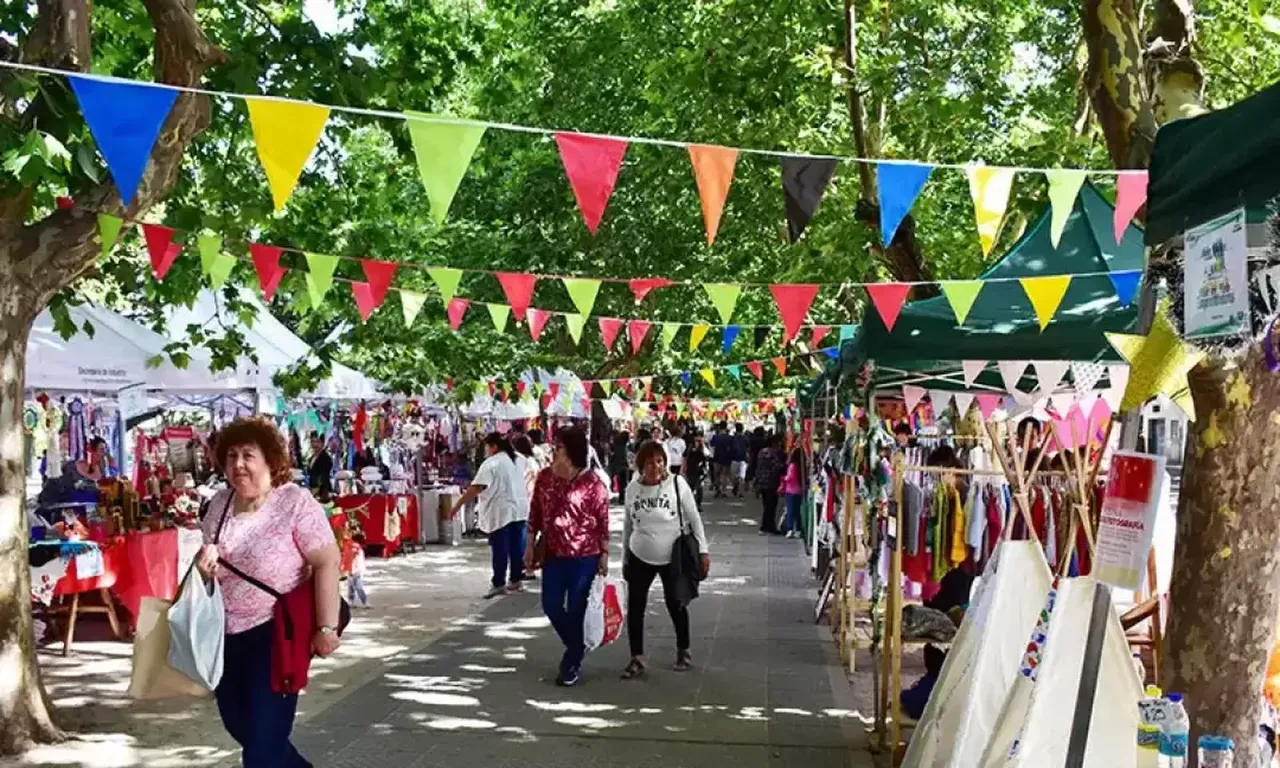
x,y
569,529
275,532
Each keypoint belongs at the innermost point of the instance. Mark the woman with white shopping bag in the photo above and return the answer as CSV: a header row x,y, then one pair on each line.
x,y
661,515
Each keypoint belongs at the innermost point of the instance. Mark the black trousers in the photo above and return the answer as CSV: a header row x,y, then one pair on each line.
x,y
639,577
769,515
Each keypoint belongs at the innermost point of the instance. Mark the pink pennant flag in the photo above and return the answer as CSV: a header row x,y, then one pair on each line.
x,y
537,321
609,328
1131,194
819,333
757,369
379,275
637,329
888,298
913,395
592,164
641,286
793,303
161,248
518,288
366,302
266,262
988,403
457,309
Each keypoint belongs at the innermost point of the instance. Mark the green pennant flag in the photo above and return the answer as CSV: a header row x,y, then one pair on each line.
x,y
411,304
847,332
213,262
576,324
446,279
444,150
669,331
320,269
725,297
961,295
607,386
583,292
499,313
735,371
109,231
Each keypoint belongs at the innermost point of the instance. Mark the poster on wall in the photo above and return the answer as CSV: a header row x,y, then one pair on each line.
x,y
1128,520
1217,286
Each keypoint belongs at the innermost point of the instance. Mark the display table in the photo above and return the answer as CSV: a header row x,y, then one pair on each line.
x,y
373,510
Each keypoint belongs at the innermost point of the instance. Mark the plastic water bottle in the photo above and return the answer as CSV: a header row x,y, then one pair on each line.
x,y
1216,751
1175,733
1151,711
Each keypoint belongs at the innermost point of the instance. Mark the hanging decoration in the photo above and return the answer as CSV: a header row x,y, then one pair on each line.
x,y
819,333
285,133
730,335
793,305
899,185
212,261
1158,364
518,288
161,248
366,302
725,297
575,324
379,275
972,368
411,304
713,173
583,292
537,321
457,310
641,286
499,313
888,299
1045,294
636,331
446,280
669,331
1064,186
989,187
761,333
696,334
609,328
109,231
443,147
266,263
960,295
592,164
1011,373
319,278
912,395
1126,285
125,120
1131,195
804,182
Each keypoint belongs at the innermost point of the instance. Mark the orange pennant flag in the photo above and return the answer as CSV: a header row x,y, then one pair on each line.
x,y
781,364
713,170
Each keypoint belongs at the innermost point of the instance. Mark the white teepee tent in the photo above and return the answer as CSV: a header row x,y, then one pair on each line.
x,y
982,664
1035,723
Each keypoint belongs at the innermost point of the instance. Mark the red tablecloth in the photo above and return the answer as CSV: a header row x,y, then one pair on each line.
x,y
372,512
137,566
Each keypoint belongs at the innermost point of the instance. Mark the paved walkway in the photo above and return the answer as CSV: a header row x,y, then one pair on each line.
x,y
766,690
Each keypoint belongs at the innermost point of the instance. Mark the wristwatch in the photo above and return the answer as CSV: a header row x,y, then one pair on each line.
x,y
326,631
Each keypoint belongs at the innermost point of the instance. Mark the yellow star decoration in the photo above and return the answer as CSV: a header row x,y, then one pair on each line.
x,y
1158,364
1239,393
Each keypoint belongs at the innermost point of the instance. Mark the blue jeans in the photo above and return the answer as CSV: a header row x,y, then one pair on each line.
x,y
507,546
794,500
258,718
566,584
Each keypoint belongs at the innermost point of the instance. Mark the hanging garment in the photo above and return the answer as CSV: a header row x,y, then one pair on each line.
x,y
958,551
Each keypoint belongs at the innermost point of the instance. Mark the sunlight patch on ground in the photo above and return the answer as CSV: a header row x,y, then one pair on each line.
x,y
593,723
117,750
436,699
569,706
483,668
444,723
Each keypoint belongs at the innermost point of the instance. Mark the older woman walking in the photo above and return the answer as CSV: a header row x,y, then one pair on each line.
x,y
275,532
569,534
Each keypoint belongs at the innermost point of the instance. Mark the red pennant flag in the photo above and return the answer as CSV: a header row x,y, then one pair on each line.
x,y
379,275
625,385
819,333
592,164
586,405
546,402
506,394
520,387
636,329
161,247
365,300
609,327
492,389
781,364
537,321
266,262
641,286
457,309
888,298
518,287
756,369
553,389
793,304
448,384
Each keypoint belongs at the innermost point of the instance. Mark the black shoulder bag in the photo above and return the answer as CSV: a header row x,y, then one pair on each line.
x,y
686,560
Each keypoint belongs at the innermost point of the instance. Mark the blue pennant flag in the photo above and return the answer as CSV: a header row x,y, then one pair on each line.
x,y
686,377
900,185
848,411
125,119
833,352
1126,284
735,371
730,335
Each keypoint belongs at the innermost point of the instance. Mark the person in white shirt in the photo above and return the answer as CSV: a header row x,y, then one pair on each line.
x,y
675,447
657,503
503,508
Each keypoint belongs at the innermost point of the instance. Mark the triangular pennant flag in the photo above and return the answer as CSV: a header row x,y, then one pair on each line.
x,y
457,310
366,302
553,389
286,133
213,262
709,375
941,399
1011,373
266,262
713,171
379,275
730,335
696,334
636,331
804,182
648,386
832,352
819,333
990,188
669,331
960,295
411,304
109,231
1117,379
1085,376
320,269
913,395
592,164
761,333
499,313
444,149
1064,186
848,332
583,291
780,365
725,297
446,279
1049,374
606,386
1131,194
641,286
793,305
1045,294
899,185
756,369
575,324
125,120
735,371
964,401
988,403
537,321
518,288
687,378
1126,284
888,299
161,248
971,370
609,327
1062,401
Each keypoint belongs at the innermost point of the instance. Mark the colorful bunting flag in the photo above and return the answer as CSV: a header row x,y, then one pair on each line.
x,y
912,395
847,332
709,375
725,297
575,324
641,286
366,302
804,182
687,378
1126,285
964,401
832,352
735,371
537,321
286,133
989,403
266,263
899,185
1131,194
636,331
109,231
1064,187
713,172
819,333
941,400
499,313
609,327
1011,373
583,292
729,336
990,188
960,295
696,334
761,333
793,304
1045,294
379,275
446,280
592,164
756,369
444,148
1085,376
518,288
888,299
456,311
160,247
669,331
1049,374
213,262
971,370
320,269
780,365
125,120
411,303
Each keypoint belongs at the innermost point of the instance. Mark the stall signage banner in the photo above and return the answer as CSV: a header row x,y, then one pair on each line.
x,y
1217,284
1128,519
133,401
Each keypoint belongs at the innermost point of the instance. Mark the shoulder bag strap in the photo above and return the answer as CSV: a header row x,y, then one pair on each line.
x,y
675,485
226,511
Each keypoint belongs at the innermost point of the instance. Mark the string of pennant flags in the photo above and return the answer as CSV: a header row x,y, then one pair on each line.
x,y
125,117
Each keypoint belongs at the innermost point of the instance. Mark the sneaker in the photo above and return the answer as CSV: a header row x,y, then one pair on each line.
x,y
569,677
515,587
494,592
684,661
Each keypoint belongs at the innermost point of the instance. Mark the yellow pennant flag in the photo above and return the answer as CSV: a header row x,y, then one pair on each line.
x,y
286,132
1045,294
696,334
1064,186
990,190
709,375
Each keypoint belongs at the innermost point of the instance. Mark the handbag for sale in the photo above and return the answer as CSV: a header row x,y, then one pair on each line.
x,y
686,560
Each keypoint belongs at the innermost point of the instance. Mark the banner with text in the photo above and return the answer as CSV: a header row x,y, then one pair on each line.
x,y
1128,519
1217,284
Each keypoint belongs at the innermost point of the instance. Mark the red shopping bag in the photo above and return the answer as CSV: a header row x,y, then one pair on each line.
x,y
606,613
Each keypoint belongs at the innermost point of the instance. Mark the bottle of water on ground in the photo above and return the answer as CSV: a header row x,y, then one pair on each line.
x,y
1175,733
1151,711
1216,751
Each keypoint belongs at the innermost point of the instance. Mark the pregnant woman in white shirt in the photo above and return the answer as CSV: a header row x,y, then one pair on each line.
x,y
656,501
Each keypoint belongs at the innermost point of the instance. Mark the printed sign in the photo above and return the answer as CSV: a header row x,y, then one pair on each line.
x,y
1128,519
1217,285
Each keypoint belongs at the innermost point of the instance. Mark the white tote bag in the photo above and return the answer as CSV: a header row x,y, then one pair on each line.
x,y
197,630
606,612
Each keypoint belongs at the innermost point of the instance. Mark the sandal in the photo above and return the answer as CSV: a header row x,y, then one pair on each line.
x,y
633,670
684,661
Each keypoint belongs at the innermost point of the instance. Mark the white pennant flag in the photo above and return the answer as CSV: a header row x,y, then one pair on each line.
x,y
940,398
913,395
1011,372
964,400
1062,402
1118,375
1049,374
1086,376
1269,286
971,370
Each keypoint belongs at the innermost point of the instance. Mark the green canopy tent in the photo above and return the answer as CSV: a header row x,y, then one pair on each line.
x,y
927,346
